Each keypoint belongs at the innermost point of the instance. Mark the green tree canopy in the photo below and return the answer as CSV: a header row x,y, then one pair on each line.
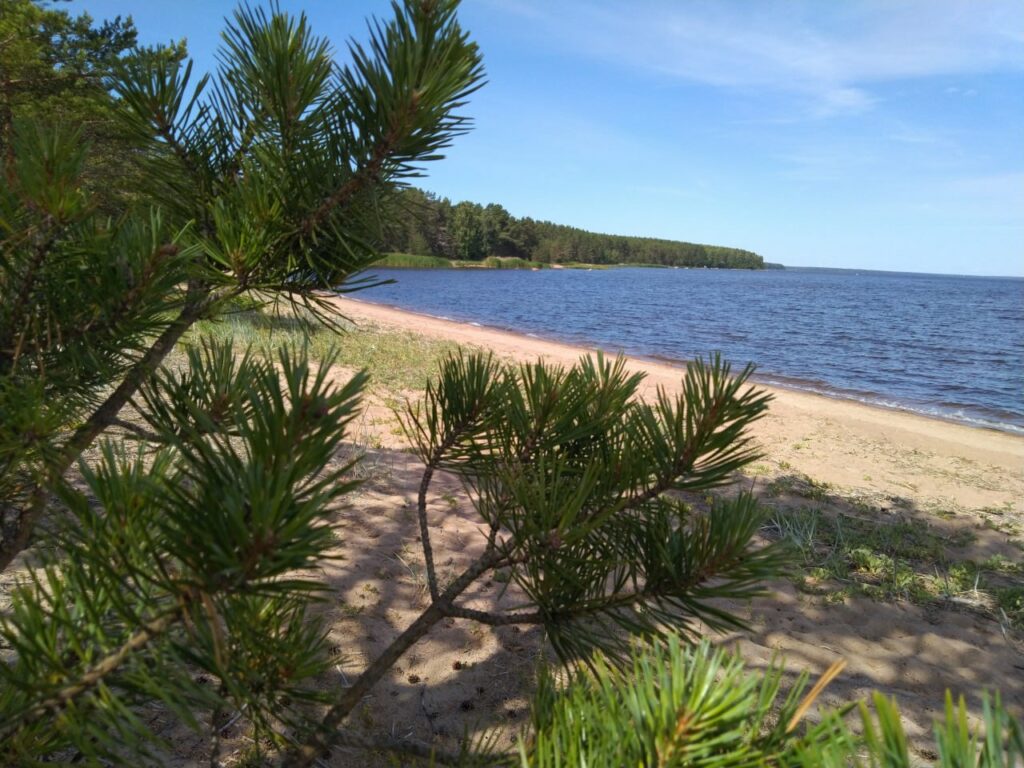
x,y
55,70
427,225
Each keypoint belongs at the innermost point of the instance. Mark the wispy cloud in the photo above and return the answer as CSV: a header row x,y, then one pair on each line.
x,y
830,54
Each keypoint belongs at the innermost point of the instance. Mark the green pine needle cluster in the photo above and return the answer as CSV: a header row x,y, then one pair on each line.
x,y
674,705
195,554
574,476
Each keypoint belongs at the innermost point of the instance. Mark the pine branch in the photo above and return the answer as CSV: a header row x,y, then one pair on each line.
x,y
496,619
30,276
407,747
421,511
434,461
142,637
363,178
19,534
137,431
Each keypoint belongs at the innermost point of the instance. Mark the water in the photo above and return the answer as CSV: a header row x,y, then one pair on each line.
x,y
945,346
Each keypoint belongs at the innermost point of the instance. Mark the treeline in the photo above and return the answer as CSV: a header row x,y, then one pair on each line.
x,y
54,69
425,224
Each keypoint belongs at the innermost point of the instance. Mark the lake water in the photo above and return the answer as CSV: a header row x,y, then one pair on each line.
x,y
945,346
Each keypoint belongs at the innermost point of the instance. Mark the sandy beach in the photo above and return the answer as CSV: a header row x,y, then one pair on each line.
x,y
941,498
835,441
959,485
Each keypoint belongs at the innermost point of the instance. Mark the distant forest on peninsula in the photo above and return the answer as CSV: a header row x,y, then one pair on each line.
x,y
428,225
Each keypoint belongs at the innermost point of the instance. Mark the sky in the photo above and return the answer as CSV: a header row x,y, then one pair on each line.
x,y
870,135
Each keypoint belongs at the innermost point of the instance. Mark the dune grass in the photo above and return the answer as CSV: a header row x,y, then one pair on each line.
x,y
846,547
398,361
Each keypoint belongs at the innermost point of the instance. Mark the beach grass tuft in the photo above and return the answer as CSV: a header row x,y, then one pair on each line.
x,y
844,554
398,361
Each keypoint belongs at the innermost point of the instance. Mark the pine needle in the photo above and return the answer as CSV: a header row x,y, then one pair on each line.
x,y
830,674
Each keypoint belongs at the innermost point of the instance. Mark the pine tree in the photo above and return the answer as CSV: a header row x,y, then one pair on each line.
x,y
263,181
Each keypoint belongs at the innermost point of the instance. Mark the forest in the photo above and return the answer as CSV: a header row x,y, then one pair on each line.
x,y
424,224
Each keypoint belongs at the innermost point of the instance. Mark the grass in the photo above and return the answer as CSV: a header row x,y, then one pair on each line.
x,y
413,261
398,361
840,555
1010,601
797,485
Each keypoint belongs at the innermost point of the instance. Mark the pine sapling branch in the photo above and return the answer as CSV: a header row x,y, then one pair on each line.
x,y
142,637
428,551
496,619
18,535
421,506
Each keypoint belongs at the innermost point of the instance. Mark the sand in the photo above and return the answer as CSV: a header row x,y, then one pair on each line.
x,y
836,441
464,678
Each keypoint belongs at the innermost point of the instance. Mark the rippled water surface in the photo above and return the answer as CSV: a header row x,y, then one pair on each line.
x,y
945,346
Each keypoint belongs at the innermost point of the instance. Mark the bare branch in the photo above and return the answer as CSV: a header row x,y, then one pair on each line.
x,y
496,619
428,551
328,732
137,431
405,747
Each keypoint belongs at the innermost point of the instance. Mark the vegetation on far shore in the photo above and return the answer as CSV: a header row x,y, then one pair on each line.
x,y
414,261
425,224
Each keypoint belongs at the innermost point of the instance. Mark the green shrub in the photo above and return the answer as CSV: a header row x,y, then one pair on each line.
x,y
510,262
413,261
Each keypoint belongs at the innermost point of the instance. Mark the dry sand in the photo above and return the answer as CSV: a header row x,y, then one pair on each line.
x,y
836,441
464,677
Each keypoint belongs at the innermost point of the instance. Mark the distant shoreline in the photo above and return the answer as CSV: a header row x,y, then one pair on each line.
x,y
416,261
395,261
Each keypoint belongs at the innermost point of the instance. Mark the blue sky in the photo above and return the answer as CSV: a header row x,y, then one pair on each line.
x,y
876,135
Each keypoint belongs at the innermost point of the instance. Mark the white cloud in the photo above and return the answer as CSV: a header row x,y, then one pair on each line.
x,y
829,53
